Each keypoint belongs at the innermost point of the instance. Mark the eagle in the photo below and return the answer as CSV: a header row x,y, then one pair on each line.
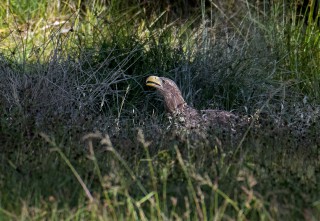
x,y
186,115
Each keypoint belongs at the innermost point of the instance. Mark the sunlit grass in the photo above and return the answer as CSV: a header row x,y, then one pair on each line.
x,y
81,138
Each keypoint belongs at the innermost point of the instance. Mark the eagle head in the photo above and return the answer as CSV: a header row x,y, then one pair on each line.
x,y
169,90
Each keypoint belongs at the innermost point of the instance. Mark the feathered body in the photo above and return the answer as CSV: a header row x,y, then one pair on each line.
x,y
183,113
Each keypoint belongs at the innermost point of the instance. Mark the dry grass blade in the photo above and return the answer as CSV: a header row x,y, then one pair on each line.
x,y
65,159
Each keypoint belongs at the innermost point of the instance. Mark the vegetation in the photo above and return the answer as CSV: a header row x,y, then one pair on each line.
x,y
82,138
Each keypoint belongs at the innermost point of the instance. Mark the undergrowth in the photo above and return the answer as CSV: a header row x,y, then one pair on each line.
x,y
82,138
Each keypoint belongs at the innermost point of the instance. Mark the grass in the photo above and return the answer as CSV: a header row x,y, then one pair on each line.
x,y
82,138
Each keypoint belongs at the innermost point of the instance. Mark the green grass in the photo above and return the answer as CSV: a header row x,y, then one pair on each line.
x,y
82,138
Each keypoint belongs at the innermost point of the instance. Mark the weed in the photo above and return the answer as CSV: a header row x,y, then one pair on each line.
x,y
81,138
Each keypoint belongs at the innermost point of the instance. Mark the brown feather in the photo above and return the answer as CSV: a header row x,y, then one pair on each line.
x,y
186,115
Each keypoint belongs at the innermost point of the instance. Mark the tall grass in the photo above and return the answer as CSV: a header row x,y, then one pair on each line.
x,y
81,138
299,35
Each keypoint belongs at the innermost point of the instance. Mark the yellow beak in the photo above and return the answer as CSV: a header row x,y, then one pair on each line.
x,y
153,81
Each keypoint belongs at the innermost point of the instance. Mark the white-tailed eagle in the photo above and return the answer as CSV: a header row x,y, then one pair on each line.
x,y
183,113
